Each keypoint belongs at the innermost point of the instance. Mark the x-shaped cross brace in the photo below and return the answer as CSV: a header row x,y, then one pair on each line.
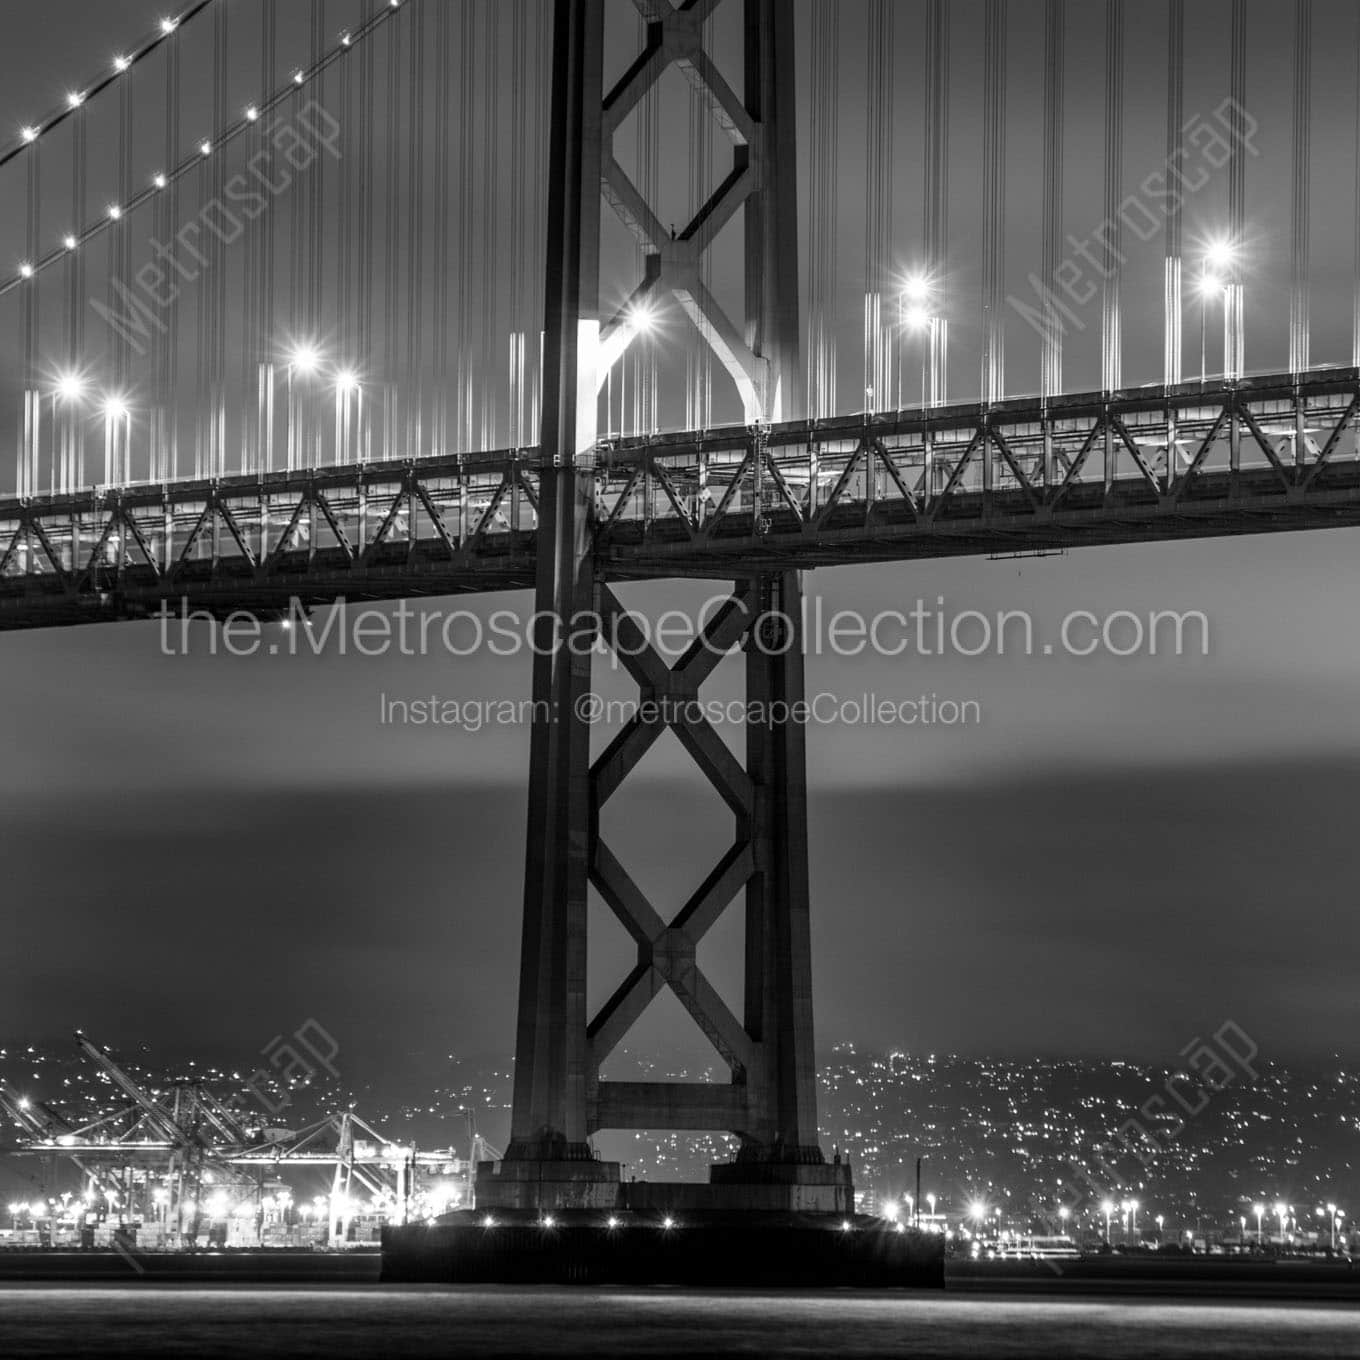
x,y
666,952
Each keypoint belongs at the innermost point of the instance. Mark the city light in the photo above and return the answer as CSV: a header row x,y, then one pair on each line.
x,y
115,212
252,113
26,270
115,408
346,381
121,63
168,26
548,1221
69,241
205,148
668,1223
611,1223
70,386
298,77
74,99
159,181
977,1211
488,1222
29,134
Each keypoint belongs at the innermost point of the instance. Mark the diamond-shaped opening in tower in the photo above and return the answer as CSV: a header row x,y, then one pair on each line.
x,y
674,150
666,826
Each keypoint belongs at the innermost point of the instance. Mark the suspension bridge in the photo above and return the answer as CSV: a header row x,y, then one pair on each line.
x,y
332,301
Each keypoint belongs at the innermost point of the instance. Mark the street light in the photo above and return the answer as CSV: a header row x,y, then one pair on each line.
x,y
1216,268
1281,1213
1107,1208
70,386
1259,1210
305,359
914,314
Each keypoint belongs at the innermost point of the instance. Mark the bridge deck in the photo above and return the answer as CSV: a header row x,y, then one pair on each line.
x,y
1261,455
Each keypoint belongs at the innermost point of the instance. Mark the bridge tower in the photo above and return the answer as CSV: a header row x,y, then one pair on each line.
x,y
560,1099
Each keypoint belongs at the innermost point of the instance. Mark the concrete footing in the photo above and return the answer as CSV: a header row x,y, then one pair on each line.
x,y
641,1248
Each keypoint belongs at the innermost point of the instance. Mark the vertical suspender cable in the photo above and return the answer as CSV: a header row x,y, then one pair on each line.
x,y
936,188
167,380
1233,313
878,354
218,278
1175,116
390,228
1300,226
993,201
539,218
1355,259
266,336
415,236
1055,19
1111,328
822,204
30,437
75,317
491,159
442,263
466,223
364,311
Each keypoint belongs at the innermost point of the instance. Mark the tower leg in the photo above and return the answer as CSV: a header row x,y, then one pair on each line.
x,y
549,1161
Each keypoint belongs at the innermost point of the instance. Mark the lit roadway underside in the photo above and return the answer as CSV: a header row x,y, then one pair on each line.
x,y
1260,455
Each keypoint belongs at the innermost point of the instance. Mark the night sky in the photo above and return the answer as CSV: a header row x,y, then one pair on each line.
x,y
202,852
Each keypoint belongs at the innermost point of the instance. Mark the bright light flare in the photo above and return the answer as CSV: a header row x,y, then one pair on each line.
x,y
205,148
70,386
252,113
305,359
159,181
75,99
916,288
977,1210
69,241
26,270
115,408
346,382
115,212
916,318
121,63
642,318
1219,256
29,134
168,26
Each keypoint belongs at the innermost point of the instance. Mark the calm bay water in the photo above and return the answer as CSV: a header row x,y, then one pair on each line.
x,y
200,1323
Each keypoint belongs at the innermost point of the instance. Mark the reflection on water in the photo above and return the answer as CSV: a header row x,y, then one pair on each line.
x,y
202,1323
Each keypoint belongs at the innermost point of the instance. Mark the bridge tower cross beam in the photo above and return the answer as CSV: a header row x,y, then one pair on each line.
x,y
559,1100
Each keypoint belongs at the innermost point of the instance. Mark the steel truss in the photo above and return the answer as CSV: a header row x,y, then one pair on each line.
x,y
1265,454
